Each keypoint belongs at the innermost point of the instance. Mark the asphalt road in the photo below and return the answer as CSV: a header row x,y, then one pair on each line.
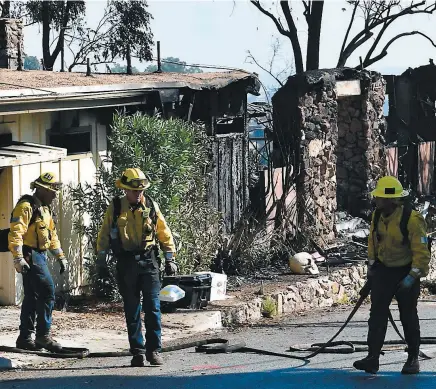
x,y
187,369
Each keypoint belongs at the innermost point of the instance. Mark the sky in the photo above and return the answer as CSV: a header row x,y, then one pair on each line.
x,y
221,32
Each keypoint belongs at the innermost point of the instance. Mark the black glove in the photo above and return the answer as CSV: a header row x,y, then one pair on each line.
x,y
63,263
101,265
170,268
371,269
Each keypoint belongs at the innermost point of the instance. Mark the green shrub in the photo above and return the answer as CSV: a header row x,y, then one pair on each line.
x,y
174,155
269,307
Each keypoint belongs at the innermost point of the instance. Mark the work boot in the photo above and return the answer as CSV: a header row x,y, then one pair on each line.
x,y
26,343
137,361
154,358
370,364
48,343
411,366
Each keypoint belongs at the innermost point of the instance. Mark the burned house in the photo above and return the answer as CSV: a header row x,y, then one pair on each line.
x,y
411,127
328,141
59,121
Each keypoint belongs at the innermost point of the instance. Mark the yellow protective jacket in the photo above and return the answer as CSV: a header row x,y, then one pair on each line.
x,y
136,229
390,249
40,235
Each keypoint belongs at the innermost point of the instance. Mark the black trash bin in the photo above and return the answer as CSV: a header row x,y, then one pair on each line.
x,y
197,291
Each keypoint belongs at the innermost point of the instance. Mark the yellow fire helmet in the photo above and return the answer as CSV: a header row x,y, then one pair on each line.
x,y
47,180
133,179
389,187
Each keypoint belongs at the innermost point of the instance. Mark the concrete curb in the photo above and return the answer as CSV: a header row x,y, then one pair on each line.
x,y
339,287
7,364
193,321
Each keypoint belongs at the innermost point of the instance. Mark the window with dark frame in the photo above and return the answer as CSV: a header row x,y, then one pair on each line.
x,y
6,139
76,140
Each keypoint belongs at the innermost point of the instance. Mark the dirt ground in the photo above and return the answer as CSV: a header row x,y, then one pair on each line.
x,y
270,280
91,313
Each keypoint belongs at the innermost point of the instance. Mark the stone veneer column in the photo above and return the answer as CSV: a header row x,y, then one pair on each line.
x,y
360,151
316,186
11,43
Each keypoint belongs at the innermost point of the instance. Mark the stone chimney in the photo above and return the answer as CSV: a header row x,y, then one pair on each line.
x,y
11,44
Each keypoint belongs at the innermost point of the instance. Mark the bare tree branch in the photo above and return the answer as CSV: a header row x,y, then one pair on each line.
x,y
251,57
233,9
306,8
292,33
5,8
29,24
377,15
91,42
279,26
374,11
293,36
384,51
377,40
314,23
63,28
353,15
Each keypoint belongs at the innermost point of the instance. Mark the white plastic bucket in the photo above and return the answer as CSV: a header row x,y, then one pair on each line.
x,y
171,293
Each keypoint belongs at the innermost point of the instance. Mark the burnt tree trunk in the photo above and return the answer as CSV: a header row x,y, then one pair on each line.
x,y
50,58
47,59
129,60
5,9
314,20
293,37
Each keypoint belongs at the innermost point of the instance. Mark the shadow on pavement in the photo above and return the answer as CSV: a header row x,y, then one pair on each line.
x,y
126,365
269,379
353,323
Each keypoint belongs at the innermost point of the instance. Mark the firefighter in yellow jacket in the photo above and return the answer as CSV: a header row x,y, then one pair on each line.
x,y
133,227
32,234
398,257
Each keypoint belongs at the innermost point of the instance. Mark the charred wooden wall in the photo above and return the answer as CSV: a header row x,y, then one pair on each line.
x,y
227,182
412,123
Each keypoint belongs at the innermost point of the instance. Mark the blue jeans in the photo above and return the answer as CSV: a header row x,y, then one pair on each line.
x,y
39,297
133,279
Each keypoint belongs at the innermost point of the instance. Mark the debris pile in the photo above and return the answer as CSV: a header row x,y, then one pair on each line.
x,y
348,227
350,246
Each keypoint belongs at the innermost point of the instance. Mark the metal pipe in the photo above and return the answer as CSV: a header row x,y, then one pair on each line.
x,y
159,64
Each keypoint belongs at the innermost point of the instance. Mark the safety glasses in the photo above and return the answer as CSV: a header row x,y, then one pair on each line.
x,y
136,184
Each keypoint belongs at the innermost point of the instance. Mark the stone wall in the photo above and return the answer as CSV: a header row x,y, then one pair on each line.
x,y
360,153
11,43
431,277
339,288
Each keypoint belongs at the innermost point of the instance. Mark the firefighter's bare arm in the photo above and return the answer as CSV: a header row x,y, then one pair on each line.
x,y
103,241
164,234
418,244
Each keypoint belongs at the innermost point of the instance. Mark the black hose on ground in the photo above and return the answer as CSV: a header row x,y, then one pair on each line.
x,y
209,346
322,347
392,345
220,345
